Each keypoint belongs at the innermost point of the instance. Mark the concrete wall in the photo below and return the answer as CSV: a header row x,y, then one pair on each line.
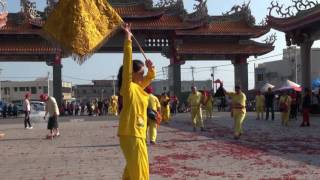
x,y
161,86
16,90
276,72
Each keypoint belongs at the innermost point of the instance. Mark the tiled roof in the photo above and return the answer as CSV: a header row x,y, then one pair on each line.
x,y
235,28
136,11
223,49
26,47
302,20
165,22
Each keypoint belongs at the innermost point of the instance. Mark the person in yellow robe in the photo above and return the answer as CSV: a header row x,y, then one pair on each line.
x,y
259,105
238,104
194,100
165,107
133,116
154,105
284,105
114,105
208,103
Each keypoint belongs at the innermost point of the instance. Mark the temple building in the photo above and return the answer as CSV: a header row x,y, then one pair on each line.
x,y
164,27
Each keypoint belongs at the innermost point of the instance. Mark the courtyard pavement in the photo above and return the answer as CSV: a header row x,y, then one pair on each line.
x,y
88,148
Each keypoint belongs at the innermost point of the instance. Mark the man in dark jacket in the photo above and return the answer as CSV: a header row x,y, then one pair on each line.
x,y
306,107
269,97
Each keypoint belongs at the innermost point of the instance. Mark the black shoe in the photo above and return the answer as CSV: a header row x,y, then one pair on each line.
x,y
152,143
308,124
202,129
194,129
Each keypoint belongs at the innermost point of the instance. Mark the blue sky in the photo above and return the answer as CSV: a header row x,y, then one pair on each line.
x,y
103,66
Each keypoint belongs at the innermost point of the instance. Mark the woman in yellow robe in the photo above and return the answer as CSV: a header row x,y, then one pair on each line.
x,y
114,105
238,104
209,106
133,115
165,107
259,105
284,104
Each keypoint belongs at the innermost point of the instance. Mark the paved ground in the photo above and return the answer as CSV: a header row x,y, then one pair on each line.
x,y
89,149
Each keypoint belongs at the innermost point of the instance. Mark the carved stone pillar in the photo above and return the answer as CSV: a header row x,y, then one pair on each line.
x,y
305,52
175,77
241,72
57,80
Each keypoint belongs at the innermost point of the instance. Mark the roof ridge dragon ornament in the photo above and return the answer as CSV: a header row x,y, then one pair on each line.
x,y
3,13
290,11
242,11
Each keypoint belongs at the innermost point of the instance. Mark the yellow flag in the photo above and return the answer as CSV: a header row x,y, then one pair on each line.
x,y
82,26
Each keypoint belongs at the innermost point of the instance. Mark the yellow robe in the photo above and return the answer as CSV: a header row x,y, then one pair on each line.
x,y
165,109
133,120
194,101
114,105
285,115
209,107
259,106
238,110
154,104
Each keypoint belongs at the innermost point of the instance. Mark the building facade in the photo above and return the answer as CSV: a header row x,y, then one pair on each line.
x,y
100,89
161,86
276,72
14,91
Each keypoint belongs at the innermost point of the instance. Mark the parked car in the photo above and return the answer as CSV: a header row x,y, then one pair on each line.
x,y
37,106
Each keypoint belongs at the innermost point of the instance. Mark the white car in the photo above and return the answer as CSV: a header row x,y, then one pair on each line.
x,y
38,110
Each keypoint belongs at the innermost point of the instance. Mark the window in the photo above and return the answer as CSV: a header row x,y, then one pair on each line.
x,y
15,89
33,90
22,89
94,91
45,89
84,91
259,77
27,88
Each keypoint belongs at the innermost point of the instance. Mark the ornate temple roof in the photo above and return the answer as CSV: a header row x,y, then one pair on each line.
x,y
247,48
26,47
137,11
306,13
169,19
235,28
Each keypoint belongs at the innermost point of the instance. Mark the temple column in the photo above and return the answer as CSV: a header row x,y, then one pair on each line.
x,y
175,77
57,80
305,52
241,73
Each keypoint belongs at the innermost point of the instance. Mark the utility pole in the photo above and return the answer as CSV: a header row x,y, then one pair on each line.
x,y
212,75
48,79
113,84
0,85
192,71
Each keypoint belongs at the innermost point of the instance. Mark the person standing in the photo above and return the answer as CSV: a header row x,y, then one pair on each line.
x,y
154,106
238,104
165,107
208,103
260,102
294,105
27,110
194,101
53,110
269,99
284,105
133,114
306,105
